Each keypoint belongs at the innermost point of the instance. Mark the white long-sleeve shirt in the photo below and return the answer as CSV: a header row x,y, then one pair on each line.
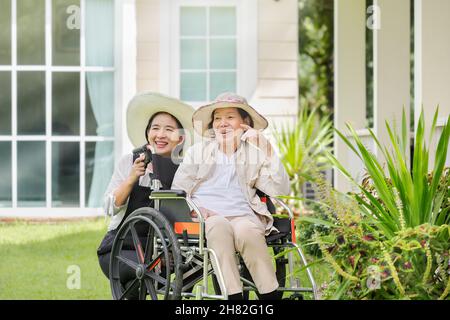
x,y
121,173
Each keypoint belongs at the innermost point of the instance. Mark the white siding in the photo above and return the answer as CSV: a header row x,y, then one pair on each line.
x,y
276,95
148,42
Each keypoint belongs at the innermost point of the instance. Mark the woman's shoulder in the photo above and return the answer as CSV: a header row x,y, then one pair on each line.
x,y
125,163
126,159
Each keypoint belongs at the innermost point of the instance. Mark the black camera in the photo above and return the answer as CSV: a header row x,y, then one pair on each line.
x,y
145,149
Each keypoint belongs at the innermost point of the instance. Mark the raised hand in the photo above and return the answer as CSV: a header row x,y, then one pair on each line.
x,y
255,138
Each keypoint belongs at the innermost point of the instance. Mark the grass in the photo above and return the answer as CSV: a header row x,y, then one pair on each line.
x,y
36,259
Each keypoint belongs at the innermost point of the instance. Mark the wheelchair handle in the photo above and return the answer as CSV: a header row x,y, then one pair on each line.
x,y
284,206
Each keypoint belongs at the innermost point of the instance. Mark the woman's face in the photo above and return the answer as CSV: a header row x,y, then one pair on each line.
x,y
164,134
227,124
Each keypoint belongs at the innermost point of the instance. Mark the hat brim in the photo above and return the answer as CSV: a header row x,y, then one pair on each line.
x,y
144,105
202,116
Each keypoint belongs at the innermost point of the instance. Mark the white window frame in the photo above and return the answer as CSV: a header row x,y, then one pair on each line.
x,y
247,45
48,210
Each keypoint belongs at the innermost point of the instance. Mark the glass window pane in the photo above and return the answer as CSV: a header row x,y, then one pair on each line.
x,y
5,103
99,32
222,21
5,32
99,169
192,21
31,173
65,174
193,54
66,103
31,102
66,16
5,174
223,54
100,104
193,86
31,32
222,82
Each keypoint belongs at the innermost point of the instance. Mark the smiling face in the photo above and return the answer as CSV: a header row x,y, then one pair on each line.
x,y
226,124
164,134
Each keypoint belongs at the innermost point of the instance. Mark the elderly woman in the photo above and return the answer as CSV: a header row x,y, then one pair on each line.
x,y
222,175
158,122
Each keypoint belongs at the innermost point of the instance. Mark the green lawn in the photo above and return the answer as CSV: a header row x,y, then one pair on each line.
x,y
35,259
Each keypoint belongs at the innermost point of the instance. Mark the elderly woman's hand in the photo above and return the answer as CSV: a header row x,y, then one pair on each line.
x,y
256,138
206,213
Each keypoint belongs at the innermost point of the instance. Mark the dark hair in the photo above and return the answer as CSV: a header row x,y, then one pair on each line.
x,y
149,124
244,115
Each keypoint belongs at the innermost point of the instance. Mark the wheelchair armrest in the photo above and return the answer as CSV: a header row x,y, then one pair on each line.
x,y
161,194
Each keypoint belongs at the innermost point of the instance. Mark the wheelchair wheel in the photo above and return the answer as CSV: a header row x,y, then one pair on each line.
x,y
157,272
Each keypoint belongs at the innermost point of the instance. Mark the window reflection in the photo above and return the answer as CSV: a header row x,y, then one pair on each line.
x,y
66,103
31,32
31,102
65,174
5,103
5,32
5,174
31,173
66,32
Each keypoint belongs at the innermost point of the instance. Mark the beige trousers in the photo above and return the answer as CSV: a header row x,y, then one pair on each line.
x,y
244,234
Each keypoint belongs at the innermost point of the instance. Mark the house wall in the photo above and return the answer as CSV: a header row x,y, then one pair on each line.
x,y
391,91
432,63
147,44
276,92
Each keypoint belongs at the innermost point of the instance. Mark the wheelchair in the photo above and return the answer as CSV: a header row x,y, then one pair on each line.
x,y
173,258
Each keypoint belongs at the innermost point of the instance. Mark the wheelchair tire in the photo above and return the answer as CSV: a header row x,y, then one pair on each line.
x,y
158,273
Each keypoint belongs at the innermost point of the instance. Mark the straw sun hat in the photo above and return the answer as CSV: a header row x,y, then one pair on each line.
x,y
202,117
144,105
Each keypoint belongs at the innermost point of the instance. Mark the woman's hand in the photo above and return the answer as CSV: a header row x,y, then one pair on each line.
x,y
257,139
138,169
206,213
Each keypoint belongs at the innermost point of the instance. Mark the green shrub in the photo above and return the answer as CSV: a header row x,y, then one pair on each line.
x,y
391,240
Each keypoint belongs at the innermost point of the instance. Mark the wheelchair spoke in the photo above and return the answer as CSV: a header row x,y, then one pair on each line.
x,y
129,289
152,264
149,244
128,262
151,289
142,290
156,277
137,244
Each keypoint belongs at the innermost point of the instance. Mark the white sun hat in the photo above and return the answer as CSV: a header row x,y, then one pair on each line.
x,y
202,117
144,105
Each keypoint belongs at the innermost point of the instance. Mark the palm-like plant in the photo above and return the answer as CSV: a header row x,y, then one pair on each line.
x,y
405,198
303,146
